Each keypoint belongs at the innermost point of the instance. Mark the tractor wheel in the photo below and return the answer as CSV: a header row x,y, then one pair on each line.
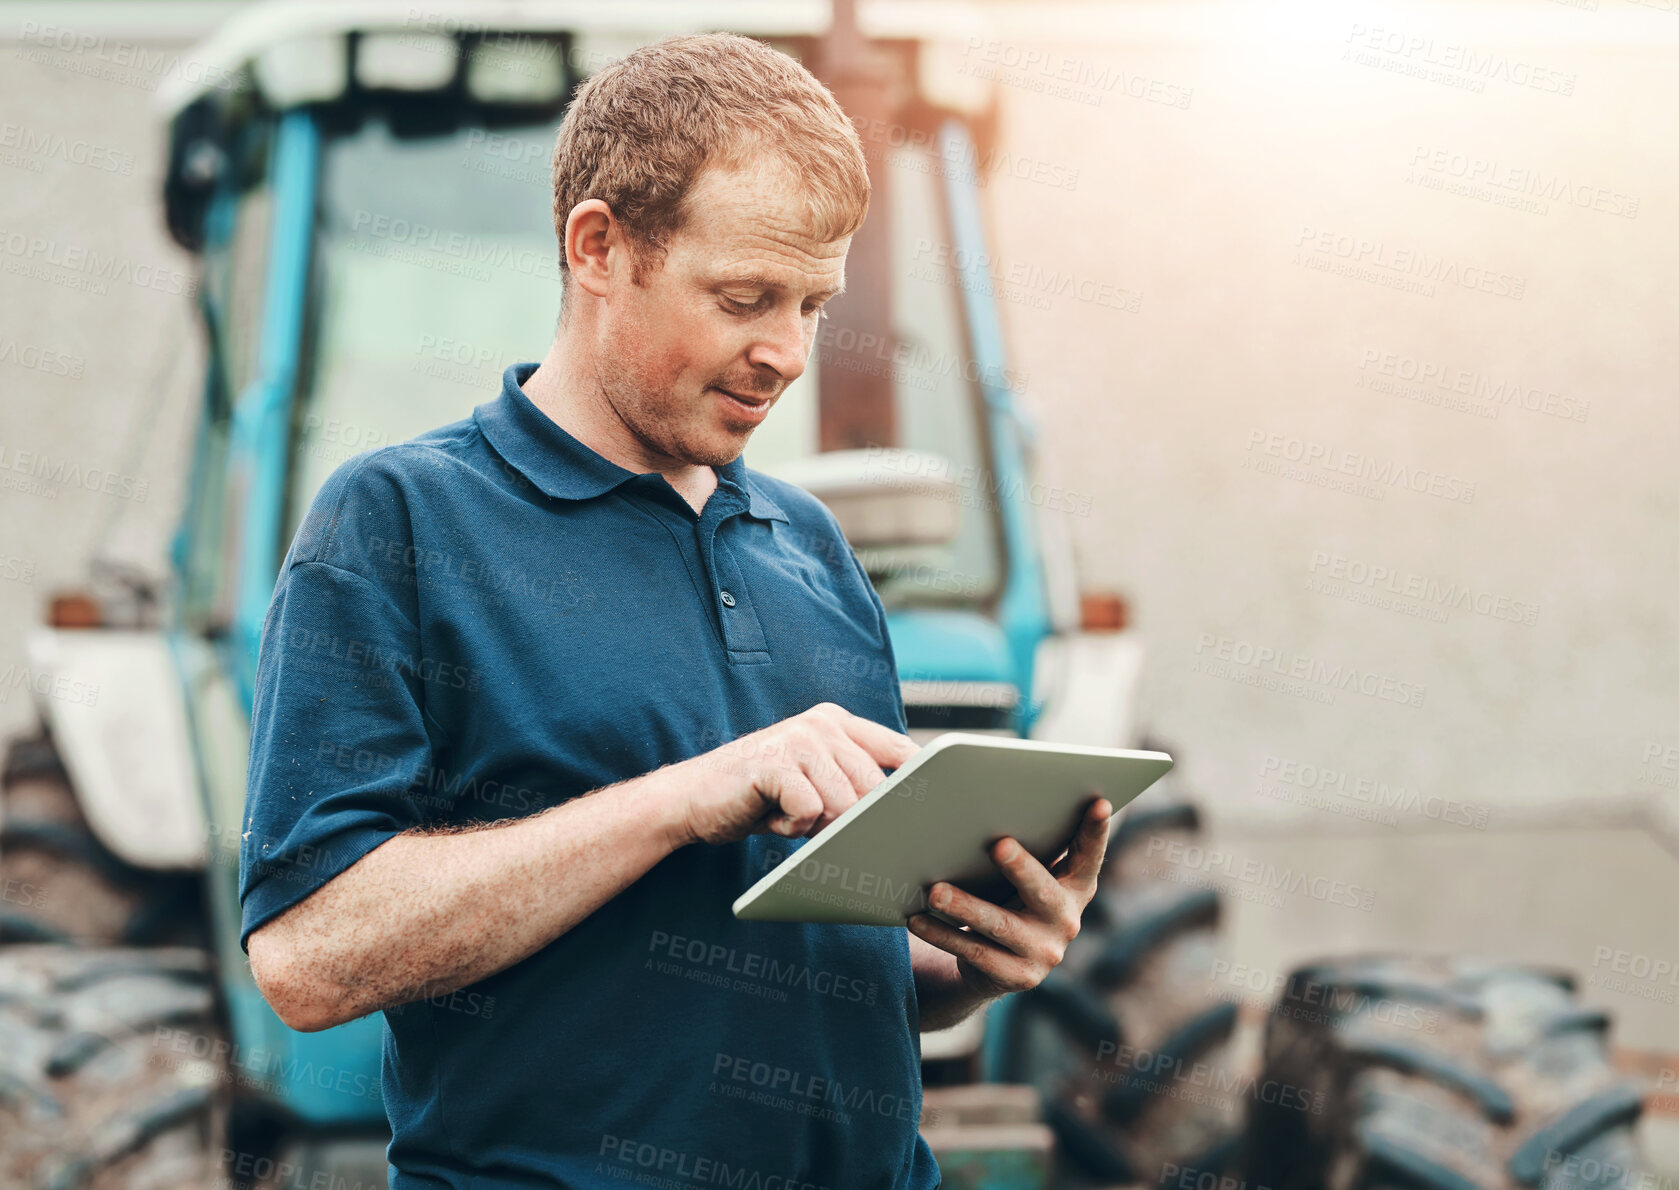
x,y
112,1069
1128,1040
58,883
1438,1074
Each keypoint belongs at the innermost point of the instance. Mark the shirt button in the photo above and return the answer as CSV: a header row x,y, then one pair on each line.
x,y
728,599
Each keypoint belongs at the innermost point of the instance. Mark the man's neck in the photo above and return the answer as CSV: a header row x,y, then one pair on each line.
x,y
573,401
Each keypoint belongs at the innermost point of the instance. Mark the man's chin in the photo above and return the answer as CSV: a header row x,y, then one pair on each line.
x,y
718,448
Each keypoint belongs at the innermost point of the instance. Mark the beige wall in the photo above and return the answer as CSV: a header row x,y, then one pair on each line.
x,y
1202,210
1533,730
99,356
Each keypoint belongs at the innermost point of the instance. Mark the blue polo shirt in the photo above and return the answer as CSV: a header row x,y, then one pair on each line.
x,y
492,618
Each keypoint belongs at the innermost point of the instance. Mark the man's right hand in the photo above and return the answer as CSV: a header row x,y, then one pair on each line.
x,y
792,778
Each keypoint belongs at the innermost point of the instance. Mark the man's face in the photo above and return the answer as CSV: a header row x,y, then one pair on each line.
x,y
693,359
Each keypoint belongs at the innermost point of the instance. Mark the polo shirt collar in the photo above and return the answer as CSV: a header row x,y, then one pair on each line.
x,y
563,467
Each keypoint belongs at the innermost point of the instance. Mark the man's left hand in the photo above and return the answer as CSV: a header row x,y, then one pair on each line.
x,y
1011,948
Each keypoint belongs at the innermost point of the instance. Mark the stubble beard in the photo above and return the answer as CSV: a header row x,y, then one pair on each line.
x,y
667,425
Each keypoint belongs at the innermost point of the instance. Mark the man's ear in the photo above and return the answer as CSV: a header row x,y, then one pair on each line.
x,y
591,235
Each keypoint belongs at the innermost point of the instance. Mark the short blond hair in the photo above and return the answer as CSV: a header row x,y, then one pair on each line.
x,y
639,133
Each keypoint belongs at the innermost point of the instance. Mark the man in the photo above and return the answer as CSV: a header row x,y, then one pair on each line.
x,y
516,823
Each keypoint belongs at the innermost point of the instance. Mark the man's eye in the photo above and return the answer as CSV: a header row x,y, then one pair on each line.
x,y
736,306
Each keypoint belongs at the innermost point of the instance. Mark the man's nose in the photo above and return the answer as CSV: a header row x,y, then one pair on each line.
x,y
781,345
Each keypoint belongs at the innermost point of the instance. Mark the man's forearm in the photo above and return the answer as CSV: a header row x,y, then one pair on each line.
x,y
943,996
426,913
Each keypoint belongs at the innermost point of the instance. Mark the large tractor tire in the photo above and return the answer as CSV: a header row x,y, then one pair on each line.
x,y
112,1069
113,1064
58,883
1128,1041
1438,1074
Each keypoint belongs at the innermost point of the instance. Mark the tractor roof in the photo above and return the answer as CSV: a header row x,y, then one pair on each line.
x,y
250,32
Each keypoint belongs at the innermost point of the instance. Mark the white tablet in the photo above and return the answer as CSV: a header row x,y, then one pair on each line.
x,y
936,818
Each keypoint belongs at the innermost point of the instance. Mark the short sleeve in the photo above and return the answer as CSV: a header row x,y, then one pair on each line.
x,y
338,733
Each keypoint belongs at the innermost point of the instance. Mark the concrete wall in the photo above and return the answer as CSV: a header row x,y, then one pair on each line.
x,y
100,359
1314,247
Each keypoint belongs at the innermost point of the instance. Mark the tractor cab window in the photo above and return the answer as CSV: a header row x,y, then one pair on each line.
x,y
436,268
234,279
937,403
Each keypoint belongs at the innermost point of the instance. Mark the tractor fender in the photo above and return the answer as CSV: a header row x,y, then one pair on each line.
x,y
1086,684
113,702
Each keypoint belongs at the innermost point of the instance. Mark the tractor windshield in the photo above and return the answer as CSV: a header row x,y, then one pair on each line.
x,y
436,268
